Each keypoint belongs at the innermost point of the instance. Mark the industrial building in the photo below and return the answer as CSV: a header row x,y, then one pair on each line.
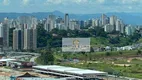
x,y
71,73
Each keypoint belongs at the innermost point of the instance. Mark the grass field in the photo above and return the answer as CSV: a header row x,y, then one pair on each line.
x,y
104,62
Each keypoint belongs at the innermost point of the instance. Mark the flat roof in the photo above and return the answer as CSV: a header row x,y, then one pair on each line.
x,y
71,70
33,78
1,60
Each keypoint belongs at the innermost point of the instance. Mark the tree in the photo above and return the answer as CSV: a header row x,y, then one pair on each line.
x,y
46,58
139,52
42,36
120,53
107,54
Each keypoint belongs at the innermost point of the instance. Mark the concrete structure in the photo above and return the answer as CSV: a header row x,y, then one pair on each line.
x,y
27,39
113,20
97,22
6,33
23,23
50,23
93,23
30,39
59,20
26,21
81,24
75,73
104,19
108,28
4,62
34,37
1,30
60,26
85,23
66,21
122,27
118,25
17,39
129,30
73,25
1,35
1,42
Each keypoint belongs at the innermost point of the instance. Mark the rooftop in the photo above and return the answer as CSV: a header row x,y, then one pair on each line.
x,y
70,70
1,60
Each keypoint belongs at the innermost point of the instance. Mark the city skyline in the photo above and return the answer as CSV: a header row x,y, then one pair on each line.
x,y
73,6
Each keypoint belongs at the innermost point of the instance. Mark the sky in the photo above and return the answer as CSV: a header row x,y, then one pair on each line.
x,y
71,6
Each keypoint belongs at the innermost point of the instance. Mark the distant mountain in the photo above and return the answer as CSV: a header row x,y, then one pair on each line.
x,y
128,18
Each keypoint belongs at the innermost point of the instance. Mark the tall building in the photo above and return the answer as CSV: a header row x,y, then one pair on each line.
x,y
85,23
1,35
113,20
108,28
17,39
66,21
81,23
50,23
104,19
27,39
1,30
129,30
34,37
59,20
122,27
118,25
74,25
97,22
24,23
6,33
93,23
60,26
30,39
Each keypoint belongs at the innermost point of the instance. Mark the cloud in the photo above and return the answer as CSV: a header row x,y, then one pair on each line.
x,y
6,2
101,1
25,2
57,2
72,6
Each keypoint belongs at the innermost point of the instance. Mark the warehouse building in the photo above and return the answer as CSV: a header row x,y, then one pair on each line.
x,y
71,73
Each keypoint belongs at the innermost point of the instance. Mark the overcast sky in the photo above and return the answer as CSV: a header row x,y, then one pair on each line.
x,y
71,6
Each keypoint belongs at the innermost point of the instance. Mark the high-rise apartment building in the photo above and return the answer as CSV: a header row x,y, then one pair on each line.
x,y
6,33
118,25
28,25
74,25
30,39
17,39
66,21
113,20
1,30
108,28
50,23
104,19
1,35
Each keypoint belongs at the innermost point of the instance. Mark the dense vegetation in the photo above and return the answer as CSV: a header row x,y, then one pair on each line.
x,y
45,58
98,37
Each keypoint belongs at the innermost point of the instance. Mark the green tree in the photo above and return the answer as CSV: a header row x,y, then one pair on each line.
x,y
138,52
46,58
42,36
107,54
120,53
